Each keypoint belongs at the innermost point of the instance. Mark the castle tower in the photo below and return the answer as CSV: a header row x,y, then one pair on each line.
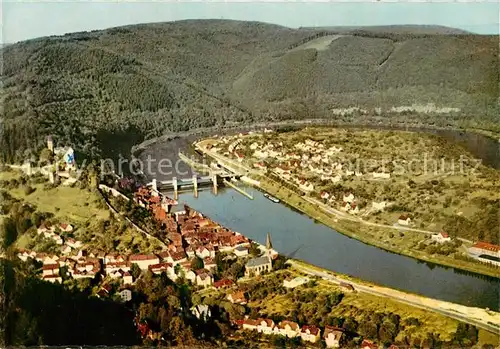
x,y
50,144
269,246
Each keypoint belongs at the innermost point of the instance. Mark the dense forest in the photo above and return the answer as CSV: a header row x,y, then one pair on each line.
x,y
107,90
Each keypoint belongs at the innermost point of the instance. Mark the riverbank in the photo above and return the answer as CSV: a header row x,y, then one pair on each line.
x,y
380,232
231,129
359,232
485,319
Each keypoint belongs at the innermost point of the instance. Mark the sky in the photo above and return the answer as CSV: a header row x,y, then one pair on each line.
x,y
26,20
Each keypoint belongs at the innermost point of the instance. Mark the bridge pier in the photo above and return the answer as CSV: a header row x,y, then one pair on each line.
x,y
195,186
174,184
214,181
154,192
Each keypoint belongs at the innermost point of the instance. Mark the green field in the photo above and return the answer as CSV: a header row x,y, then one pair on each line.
x,y
64,202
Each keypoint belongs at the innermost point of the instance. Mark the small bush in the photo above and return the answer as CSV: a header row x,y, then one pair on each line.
x,y
48,186
28,190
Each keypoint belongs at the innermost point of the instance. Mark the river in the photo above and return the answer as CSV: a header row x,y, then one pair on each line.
x,y
298,236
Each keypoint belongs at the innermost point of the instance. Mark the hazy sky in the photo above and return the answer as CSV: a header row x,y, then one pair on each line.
x,y
25,20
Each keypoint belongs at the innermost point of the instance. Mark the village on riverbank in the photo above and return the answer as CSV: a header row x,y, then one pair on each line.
x,y
422,207
159,237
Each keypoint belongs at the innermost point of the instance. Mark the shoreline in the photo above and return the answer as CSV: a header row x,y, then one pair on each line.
x,y
267,185
468,314
351,234
210,131
463,313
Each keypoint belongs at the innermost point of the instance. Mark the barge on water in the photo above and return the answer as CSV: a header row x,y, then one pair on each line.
x,y
272,198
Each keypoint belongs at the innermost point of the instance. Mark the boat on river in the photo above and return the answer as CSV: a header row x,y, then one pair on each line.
x,y
272,198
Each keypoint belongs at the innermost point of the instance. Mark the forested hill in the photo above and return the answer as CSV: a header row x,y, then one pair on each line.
x,y
131,83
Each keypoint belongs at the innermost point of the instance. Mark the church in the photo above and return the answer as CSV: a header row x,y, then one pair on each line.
x,y
259,265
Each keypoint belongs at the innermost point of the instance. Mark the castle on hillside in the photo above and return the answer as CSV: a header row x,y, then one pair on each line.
x,y
66,154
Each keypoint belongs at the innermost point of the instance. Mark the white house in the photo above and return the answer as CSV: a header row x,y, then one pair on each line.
x,y
288,329
240,251
204,278
379,206
484,248
404,220
310,333
165,256
126,295
58,240
204,252
52,259
190,251
114,267
249,324
144,261
441,238
42,229
306,186
333,336
65,249
160,268
191,276
113,258
295,282
265,326
74,243
348,198
52,278
50,269
24,255
324,195
209,264
336,179
260,165
237,297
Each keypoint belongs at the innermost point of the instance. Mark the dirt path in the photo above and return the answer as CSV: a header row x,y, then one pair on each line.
x,y
319,44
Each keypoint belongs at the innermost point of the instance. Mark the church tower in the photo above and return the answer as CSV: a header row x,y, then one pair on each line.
x,y
50,144
269,246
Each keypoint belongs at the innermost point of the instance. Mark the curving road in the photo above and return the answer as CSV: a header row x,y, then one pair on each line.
x,y
484,319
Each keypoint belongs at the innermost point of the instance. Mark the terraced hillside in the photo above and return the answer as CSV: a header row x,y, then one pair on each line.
x,y
97,90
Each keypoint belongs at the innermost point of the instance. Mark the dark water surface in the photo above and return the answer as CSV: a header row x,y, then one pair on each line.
x,y
482,147
298,236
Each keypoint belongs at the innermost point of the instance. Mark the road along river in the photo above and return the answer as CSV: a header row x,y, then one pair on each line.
x,y
298,236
